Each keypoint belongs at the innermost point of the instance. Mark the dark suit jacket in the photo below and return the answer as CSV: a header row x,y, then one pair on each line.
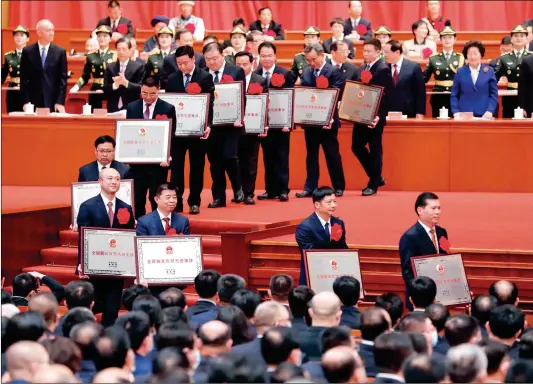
x,y
367,355
525,85
203,317
151,225
442,346
530,48
57,290
259,80
170,66
199,307
298,325
351,317
477,98
315,370
289,77
327,46
122,20
349,70
89,172
93,213
336,80
134,74
381,75
202,78
348,27
135,111
273,26
311,343
252,351
43,87
409,94
237,73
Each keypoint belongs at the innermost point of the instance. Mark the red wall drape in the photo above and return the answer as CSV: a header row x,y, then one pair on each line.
x,y
293,15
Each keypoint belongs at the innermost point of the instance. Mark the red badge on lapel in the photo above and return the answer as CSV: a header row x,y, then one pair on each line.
x,y
171,232
322,82
336,232
366,76
271,33
277,80
123,216
190,27
226,79
255,89
444,244
361,29
122,29
426,52
161,117
193,89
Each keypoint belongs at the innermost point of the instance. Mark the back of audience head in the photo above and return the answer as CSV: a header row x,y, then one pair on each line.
x,y
220,370
392,303
149,305
299,299
348,290
215,337
482,307
498,360
419,342
438,314
245,370
137,326
325,309
131,293
460,329
114,350
391,350
271,314
169,360
63,351
206,284
24,285
247,301
46,304
343,365
55,373
85,335
336,336
520,372
506,322
74,317
278,346
6,297
374,322
79,294
24,359
113,376
172,297
419,322
28,326
505,292
466,363
525,345
227,285
422,291
423,368
280,287
241,328
174,315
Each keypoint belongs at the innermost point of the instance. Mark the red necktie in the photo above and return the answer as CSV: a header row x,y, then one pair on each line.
x,y
167,225
395,74
110,214
254,65
147,112
114,25
339,66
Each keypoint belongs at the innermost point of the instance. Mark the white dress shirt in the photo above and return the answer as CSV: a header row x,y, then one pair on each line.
x,y
391,376
106,201
320,70
334,39
427,229
121,65
398,66
372,63
248,78
161,216
355,22
190,77
270,71
323,223
220,72
474,72
151,108
100,166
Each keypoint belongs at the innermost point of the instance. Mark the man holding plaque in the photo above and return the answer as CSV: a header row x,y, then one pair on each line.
x,y
190,78
423,238
320,71
104,148
321,230
105,211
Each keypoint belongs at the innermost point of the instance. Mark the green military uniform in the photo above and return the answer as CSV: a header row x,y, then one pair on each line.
x,y
95,65
509,66
443,71
11,68
382,31
154,64
300,63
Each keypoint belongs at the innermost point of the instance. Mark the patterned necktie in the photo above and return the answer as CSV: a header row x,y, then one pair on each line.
x,y
110,214
115,25
147,112
326,229
167,224
267,77
317,71
122,68
43,56
395,74
216,77
434,239
187,80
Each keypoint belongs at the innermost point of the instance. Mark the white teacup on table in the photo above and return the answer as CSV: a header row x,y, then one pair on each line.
x,y
443,113
87,110
518,114
29,109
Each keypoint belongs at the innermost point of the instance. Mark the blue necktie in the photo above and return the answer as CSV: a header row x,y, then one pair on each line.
x,y
326,229
216,77
188,78
317,71
43,56
267,77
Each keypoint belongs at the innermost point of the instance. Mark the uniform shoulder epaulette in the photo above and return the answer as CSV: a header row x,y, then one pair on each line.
x,y
156,53
9,53
91,52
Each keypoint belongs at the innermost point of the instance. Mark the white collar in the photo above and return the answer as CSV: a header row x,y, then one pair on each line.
x,y
106,200
322,67
161,216
249,77
367,342
475,69
151,105
334,63
209,301
333,38
271,70
221,70
322,221
355,20
100,165
391,376
125,63
46,47
426,228
374,62
399,63
185,74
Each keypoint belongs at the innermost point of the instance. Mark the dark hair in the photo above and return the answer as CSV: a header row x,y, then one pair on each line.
x,y
246,54
185,50
262,9
84,335
74,317
417,24
113,4
373,323
482,307
391,350
423,291
335,45
172,297
169,361
277,345
137,325
210,37
79,294
321,192
104,139
474,43
112,348
413,322
506,321
495,352
241,328
219,339
395,46
180,32
238,21
520,372
299,299
504,291
419,342
126,40
525,345
281,285
336,20
348,289
175,335
149,305
424,369
64,352
392,303
506,40
422,200
438,314
267,44
373,41
174,315
247,301
131,293
205,283
23,284
6,297
227,285
213,46
459,329
46,304
150,81
286,372
24,326
334,337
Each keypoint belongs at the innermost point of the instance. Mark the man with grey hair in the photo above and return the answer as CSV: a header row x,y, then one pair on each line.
x,y
23,360
54,373
321,74
466,363
83,335
43,71
46,304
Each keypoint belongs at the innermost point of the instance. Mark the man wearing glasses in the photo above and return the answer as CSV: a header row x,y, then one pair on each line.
x,y
104,148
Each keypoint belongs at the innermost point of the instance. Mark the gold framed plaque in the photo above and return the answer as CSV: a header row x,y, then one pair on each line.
x,y
142,141
256,114
229,103
360,102
314,106
192,112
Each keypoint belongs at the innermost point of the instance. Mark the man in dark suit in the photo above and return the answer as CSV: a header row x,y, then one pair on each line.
x,y
147,177
423,238
271,29
409,92
337,26
525,86
105,211
339,59
348,289
26,285
277,143
355,27
325,136
104,148
372,159
223,144
178,82
390,351
122,81
119,25
321,230
43,71
205,285
374,322
183,37
248,152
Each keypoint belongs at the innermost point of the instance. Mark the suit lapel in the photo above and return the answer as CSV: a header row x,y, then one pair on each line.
x,y
128,69
94,169
320,229
424,237
36,55
158,223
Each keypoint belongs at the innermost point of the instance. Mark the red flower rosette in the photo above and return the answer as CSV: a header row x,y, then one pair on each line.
x,y
122,28
193,89
172,232
444,244
426,52
226,79
123,216
161,117
277,80
322,82
190,27
336,232
255,89
366,76
271,33
361,29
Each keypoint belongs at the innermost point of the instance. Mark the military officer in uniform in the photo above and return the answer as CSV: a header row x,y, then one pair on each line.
x,y
509,67
311,36
11,68
95,64
383,34
237,44
154,64
443,67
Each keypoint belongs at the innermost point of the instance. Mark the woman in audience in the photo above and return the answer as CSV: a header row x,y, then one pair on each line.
x,y
419,47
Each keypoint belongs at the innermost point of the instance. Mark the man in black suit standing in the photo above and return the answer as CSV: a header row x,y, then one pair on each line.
x,y
122,81
339,59
409,92
43,71
277,143
271,29
337,26
355,27
148,177
104,148
372,158
224,142
119,25
105,211
327,135
249,144
423,238
178,82
525,86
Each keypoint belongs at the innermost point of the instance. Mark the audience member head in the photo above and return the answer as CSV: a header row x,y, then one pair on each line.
x,y
505,292
325,202
392,51
420,345
85,335
336,336
24,359
55,373
46,304
74,317
474,51
340,51
206,284
6,297
460,329
25,285
371,50
169,360
227,285
215,337
466,363
420,29
392,303
131,293
241,328
174,315
422,368
278,346
391,350
374,322
104,149
355,9
419,322
28,326
113,376
267,54
45,32
114,350
114,11
438,314
214,58
172,297
280,287
265,16
498,360
137,326
124,48
506,45
79,294
247,301
343,365
482,307
150,93
109,180
520,372
149,305
423,291
64,351
299,299
209,39
525,345
427,207
175,335
348,290
505,324
185,59
253,41
270,314
185,9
